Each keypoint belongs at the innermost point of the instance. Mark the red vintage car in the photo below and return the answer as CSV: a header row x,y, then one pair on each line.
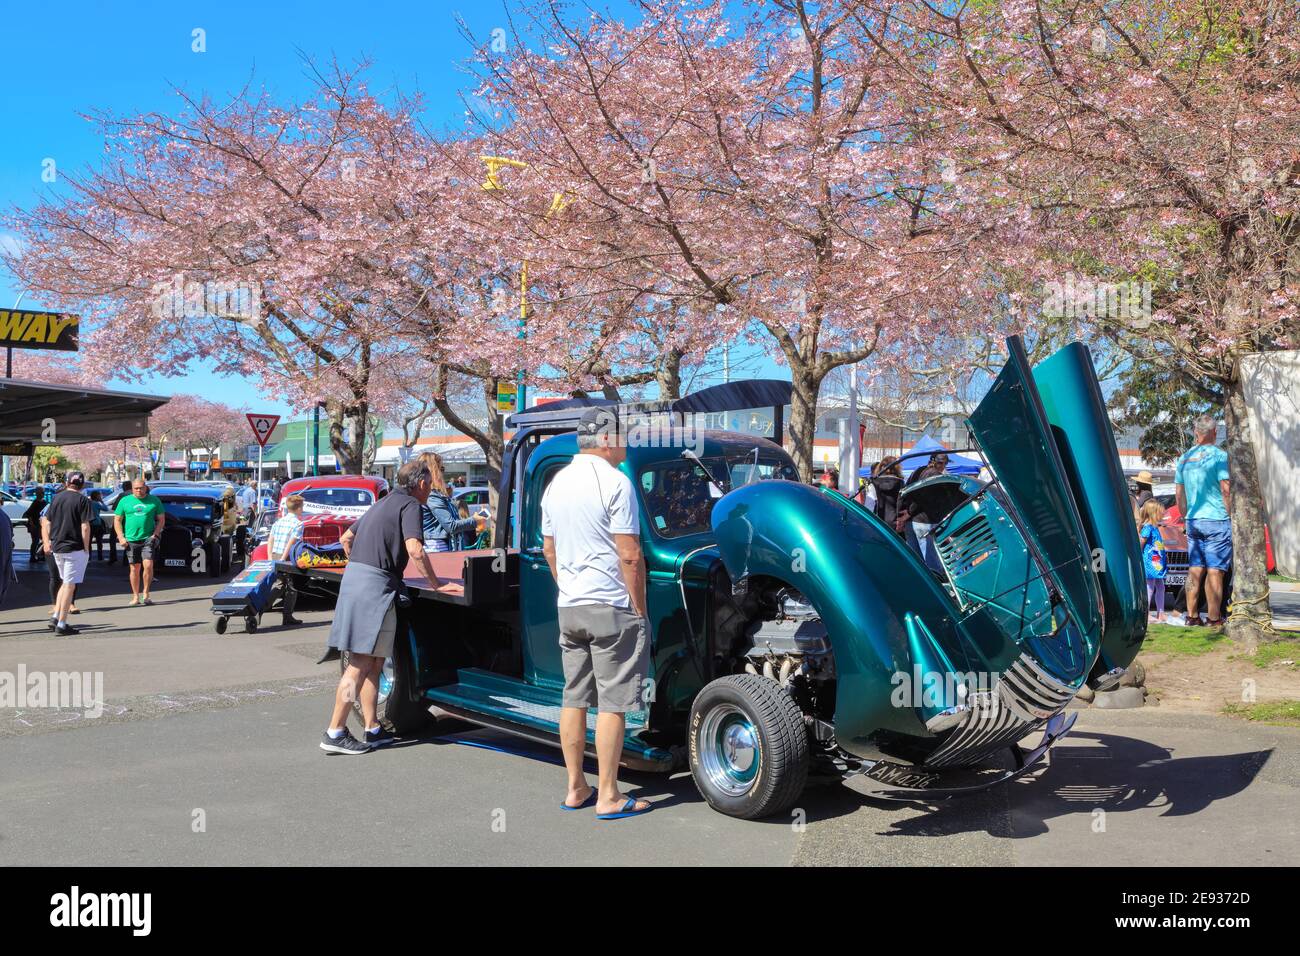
x,y
331,504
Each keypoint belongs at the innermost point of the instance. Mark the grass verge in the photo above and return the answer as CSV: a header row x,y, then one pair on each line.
x,y
1182,641
1284,652
1278,713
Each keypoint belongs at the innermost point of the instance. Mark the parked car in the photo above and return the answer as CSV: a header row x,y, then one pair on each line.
x,y
14,506
782,617
191,535
332,503
474,496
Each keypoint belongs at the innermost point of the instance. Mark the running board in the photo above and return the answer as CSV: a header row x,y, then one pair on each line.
x,y
510,705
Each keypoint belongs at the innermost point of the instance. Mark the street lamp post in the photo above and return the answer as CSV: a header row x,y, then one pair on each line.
x,y
493,181
9,349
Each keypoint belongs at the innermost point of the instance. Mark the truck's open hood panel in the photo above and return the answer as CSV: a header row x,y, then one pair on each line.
x,y
1074,406
1013,431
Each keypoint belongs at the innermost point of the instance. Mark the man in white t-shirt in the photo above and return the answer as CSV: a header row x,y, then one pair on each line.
x,y
592,541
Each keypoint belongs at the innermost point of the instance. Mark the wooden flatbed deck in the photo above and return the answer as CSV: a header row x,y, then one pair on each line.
x,y
448,565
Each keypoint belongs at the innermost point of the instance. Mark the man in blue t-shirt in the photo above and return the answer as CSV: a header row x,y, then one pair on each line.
x,y
1204,497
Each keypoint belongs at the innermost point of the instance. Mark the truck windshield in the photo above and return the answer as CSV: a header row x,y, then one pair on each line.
x,y
679,495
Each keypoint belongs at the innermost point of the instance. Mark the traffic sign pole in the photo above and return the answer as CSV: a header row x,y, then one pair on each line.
x,y
262,426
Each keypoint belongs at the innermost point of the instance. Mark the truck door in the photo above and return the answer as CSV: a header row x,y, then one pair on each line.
x,y
539,620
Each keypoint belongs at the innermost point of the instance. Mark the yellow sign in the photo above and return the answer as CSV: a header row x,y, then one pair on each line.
x,y
507,395
26,329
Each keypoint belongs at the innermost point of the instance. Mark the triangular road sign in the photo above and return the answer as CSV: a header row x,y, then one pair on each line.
x,y
263,425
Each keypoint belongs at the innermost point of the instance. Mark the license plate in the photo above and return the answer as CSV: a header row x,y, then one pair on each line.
x,y
175,563
1175,579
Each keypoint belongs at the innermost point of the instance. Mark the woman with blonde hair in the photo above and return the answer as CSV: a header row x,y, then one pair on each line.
x,y
443,527
1150,518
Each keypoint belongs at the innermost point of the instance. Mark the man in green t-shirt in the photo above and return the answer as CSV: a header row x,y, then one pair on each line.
x,y
138,520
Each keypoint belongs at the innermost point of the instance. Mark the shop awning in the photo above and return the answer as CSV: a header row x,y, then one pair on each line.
x,y
452,453
78,414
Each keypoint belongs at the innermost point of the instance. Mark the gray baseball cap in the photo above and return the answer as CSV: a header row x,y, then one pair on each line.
x,y
597,419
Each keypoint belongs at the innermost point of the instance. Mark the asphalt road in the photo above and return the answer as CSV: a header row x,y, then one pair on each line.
x,y
223,731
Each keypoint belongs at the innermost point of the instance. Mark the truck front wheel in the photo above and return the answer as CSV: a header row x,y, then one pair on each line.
x,y
748,746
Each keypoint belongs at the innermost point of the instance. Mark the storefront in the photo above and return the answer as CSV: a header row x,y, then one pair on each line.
x,y
463,461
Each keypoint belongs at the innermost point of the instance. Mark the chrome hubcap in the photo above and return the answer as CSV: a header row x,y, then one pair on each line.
x,y
729,753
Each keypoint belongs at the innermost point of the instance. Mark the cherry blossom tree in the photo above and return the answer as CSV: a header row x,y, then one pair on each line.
x,y
263,240
758,172
207,425
1143,159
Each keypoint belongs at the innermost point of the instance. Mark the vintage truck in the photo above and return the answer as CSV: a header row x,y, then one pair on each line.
x,y
794,633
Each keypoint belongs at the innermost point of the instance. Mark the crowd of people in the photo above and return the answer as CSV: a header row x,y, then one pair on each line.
x,y
70,523
880,493
135,523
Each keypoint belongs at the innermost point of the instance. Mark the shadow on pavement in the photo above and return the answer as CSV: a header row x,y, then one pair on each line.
x,y
1121,775
822,798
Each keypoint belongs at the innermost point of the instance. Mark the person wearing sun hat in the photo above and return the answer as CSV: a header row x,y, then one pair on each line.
x,y
1141,490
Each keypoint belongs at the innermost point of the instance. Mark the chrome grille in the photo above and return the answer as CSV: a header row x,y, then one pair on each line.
x,y
989,727
1021,702
1031,692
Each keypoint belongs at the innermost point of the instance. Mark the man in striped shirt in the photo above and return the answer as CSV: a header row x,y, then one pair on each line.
x,y
285,533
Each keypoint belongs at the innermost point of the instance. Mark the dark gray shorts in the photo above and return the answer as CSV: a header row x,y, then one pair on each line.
x,y
139,551
606,657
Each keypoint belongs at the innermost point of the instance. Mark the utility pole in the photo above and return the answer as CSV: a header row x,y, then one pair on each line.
x,y
315,441
850,456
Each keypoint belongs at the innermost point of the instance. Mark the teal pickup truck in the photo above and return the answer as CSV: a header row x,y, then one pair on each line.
x,y
795,634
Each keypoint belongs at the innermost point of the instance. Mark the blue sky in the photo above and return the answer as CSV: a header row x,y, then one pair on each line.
x,y
85,56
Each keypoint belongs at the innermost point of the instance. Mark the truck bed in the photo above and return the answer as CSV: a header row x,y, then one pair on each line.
x,y
450,566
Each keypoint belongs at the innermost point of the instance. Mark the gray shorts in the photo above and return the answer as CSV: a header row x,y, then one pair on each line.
x,y
606,657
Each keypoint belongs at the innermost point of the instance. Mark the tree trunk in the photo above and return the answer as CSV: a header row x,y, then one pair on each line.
x,y
494,448
668,374
349,452
1251,620
491,440
803,420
